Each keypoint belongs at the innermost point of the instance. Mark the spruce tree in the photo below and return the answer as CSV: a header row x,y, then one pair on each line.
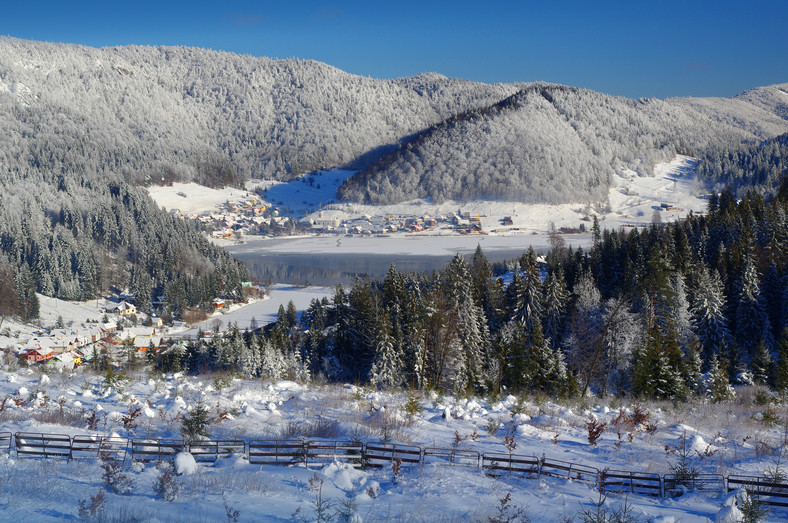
x,y
386,371
708,318
781,366
718,388
555,299
524,293
752,323
472,337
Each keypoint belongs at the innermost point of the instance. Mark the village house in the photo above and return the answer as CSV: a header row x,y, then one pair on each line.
x,y
38,354
143,343
125,309
67,360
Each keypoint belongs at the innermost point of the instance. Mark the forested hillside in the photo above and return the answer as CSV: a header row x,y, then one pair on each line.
x,y
760,166
773,98
183,113
667,312
554,144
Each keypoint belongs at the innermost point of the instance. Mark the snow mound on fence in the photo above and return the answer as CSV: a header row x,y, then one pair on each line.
x,y
185,464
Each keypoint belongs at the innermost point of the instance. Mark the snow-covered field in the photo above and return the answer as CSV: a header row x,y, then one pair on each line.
x,y
720,439
190,198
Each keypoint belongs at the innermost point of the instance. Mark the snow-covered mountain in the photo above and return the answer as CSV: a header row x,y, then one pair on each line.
x,y
148,112
153,114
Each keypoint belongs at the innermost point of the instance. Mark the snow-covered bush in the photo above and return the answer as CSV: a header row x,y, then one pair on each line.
x,y
166,485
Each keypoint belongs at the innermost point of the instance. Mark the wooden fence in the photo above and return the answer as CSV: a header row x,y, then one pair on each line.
x,y
32,445
765,490
5,441
377,455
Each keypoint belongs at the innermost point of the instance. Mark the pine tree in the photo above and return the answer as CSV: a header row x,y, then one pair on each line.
x,y
752,323
718,388
656,368
524,293
272,363
771,297
708,318
761,364
9,304
657,363
386,371
781,367
26,294
587,329
622,332
679,312
555,299
692,367
292,314
472,337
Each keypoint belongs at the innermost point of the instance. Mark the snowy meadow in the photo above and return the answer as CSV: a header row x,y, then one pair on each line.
x,y
739,437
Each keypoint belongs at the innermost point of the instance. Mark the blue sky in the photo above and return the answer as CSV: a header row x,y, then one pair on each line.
x,y
660,48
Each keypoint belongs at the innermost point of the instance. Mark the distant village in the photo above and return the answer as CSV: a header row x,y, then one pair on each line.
x,y
254,217
123,335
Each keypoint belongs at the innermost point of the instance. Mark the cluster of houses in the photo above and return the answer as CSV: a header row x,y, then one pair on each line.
x,y
464,223
254,217
245,217
70,347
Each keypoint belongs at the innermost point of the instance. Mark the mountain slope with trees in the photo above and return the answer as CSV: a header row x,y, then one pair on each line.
x,y
554,144
753,166
180,113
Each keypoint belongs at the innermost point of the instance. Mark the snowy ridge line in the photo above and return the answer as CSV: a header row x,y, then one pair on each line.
x,y
376,455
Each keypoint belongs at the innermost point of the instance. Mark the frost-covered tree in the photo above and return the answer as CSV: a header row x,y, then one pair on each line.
x,y
272,363
386,371
587,328
472,335
555,300
718,388
752,323
708,318
524,293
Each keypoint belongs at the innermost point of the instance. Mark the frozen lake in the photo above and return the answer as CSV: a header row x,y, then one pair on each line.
x,y
328,260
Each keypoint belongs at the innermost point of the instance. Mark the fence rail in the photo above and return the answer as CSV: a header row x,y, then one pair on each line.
x,y
466,458
381,454
377,455
323,452
767,491
632,482
499,463
155,449
675,486
568,470
276,452
5,440
209,451
33,444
